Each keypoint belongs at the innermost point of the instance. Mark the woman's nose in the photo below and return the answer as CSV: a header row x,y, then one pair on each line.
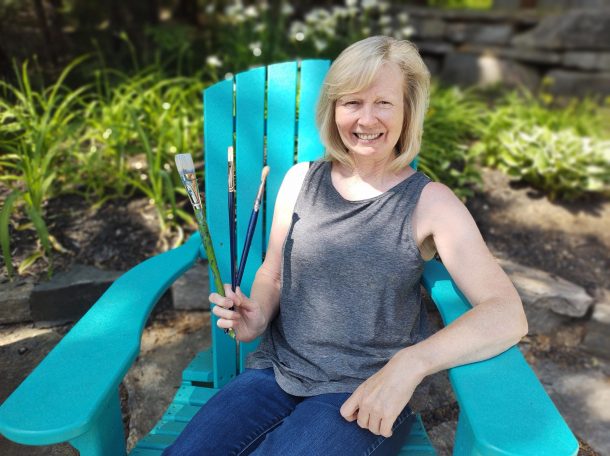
x,y
368,115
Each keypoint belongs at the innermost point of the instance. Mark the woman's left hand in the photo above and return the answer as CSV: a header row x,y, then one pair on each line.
x,y
378,401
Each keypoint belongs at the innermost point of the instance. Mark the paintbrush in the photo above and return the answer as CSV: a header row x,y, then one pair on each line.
x,y
252,225
186,170
232,230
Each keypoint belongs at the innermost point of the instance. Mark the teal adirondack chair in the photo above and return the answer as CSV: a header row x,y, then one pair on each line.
x,y
73,394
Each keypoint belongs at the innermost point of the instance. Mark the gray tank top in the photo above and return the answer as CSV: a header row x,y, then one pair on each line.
x,y
350,293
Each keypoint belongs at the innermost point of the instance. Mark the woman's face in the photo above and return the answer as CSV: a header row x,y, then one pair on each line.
x,y
370,121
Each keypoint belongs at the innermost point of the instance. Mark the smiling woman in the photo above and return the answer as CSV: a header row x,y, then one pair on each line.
x,y
337,300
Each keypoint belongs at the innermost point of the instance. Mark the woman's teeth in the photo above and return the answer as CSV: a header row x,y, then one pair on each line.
x,y
368,137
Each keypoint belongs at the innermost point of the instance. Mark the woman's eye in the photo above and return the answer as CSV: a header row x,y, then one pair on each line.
x,y
385,102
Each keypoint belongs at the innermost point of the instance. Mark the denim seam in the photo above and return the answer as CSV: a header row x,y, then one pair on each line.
x,y
382,439
266,431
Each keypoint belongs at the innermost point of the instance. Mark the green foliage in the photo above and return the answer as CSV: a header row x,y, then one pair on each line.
x,y
563,164
102,140
116,134
39,127
558,149
461,4
452,122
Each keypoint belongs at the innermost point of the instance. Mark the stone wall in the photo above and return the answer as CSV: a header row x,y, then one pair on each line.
x,y
567,51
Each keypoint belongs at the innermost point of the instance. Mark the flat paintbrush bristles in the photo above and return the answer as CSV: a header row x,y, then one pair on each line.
x,y
264,173
261,188
184,163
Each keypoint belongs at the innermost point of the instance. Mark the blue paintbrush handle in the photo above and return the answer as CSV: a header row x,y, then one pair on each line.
x,y
232,239
244,254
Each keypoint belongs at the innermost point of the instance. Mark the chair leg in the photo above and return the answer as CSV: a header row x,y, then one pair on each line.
x,y
464,438
106,437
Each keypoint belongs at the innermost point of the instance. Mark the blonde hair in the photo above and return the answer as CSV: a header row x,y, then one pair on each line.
x,y
353,71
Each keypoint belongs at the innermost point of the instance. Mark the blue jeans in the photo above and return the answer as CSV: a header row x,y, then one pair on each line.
x,y
253,415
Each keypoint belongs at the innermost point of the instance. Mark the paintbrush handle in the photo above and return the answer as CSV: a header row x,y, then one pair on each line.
x,y
232,239
206,239
244,254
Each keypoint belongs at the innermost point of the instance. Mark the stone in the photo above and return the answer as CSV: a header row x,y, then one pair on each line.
x,y
433,65
479,33
575,29
518,54
574,83
506,4
442,437
566,4
587,60
549,301
541,289
434,47
582,396
191,291
14,302
68,295
597,338
427,29
467,69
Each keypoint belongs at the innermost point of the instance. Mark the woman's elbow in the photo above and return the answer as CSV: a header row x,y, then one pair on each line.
x,y
521,325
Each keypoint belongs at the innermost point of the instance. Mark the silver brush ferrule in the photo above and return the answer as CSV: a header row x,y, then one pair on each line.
x,y
190,184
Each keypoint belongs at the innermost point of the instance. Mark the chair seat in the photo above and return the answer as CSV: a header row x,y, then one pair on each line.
x,y
190,397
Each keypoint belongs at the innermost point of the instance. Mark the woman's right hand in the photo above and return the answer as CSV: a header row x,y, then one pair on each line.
x,y
247,318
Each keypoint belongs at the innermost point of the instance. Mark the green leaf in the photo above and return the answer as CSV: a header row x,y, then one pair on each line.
x,y
5,216
29,261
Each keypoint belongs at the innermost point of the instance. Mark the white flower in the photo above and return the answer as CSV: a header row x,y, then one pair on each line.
x,y
320,44
385,20
350,3
407,31
213,61
369,4
339,11
403,18
251,12
166,105
107,133
299,36
287,9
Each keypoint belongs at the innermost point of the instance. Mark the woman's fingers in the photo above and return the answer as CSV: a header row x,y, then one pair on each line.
x,y
374,424
386,428
227,314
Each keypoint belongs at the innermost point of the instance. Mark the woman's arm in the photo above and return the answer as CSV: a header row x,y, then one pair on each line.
x,y
497,320
252,315
495,323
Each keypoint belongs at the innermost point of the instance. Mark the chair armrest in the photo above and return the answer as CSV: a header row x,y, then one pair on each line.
x,y
61,399
504,410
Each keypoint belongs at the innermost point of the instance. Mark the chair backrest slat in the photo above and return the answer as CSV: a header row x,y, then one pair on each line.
x,y
218,134
312,76
281,130
249,150
256,110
